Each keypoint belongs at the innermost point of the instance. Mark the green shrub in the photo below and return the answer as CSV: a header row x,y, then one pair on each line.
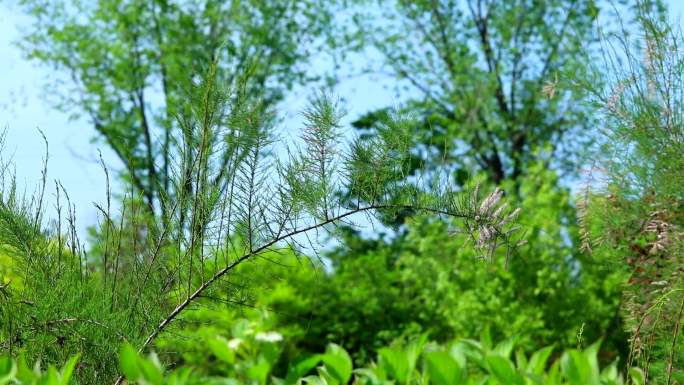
x,y
423,280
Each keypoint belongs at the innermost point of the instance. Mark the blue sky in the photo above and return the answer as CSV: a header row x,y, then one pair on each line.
x,y
73,159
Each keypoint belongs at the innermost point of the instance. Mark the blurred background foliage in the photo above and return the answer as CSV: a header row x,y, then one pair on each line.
x,y
425,280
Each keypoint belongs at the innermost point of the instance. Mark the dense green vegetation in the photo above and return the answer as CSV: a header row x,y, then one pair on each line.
x,y
250,358
442,240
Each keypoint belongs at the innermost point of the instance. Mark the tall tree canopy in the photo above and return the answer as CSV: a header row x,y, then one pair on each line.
x,y
128,66
484,75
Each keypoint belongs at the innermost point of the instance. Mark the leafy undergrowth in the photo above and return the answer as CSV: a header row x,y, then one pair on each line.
x,y
252,355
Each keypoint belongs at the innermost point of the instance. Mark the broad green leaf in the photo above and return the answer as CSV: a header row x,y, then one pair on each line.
x,y
414,350
591,356
637,376
179,377
417,345
474,351
505,348
609,375
503,370
338,363
443,369
8,369
219,348
259,371
395,363
68,370
270,352
301,367
486,338
241,328
581,368
128,361
520,359
151,371
371,376
24,373
458,353
329,378
554,375
50,377
538,360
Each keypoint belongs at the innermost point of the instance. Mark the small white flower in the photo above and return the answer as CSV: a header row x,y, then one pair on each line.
x,y
497,214
486,234
490,202
615,95
234,343
269,337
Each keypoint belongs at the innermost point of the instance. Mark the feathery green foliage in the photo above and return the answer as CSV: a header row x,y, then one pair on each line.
x,y
634,207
